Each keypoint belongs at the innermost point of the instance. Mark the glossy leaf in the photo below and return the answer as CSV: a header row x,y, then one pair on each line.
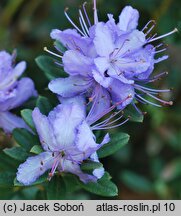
x,y
48,66
103,187
25,139
27,116
117,141
44,105
17,153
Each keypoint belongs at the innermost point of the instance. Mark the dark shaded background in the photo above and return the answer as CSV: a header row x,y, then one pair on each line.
x,y
149,167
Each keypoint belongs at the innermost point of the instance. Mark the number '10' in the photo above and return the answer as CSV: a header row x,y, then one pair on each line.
x,y
170,206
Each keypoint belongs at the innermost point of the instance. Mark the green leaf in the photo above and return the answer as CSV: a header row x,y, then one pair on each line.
x,y
59,46
48,66
118,141
136,182
103,187
6,179
25,139
56,189
90,166
7,163
27,116
41,180
133,114
71,182
17,153
44,105
36,149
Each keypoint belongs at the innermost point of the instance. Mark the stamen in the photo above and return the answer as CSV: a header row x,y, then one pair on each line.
x,y
59,64
162,101
52,53
165,35
85,12
95,13
82,18
146,26
74,25
106,122
151,37
82,26
137,109
150,89
109,110
159,51
54,167
111,127
108,119
151,28
148,102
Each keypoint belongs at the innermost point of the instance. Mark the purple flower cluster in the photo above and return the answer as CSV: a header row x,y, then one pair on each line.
x,y
109,64
13,92
67,140
116,57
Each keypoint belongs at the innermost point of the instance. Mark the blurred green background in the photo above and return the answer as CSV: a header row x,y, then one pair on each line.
x,y
149,167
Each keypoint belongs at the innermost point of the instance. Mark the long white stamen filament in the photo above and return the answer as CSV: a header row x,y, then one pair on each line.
x,y
67,16
108,119
106,123
146,26
52,53
151,28
82,26
85,12
159,51
95,13
83,20
111,127
162,101
162,36
152,90
109,109
149,102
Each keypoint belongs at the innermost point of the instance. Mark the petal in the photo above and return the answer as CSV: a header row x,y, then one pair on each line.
x,y
73,41
19,69
78,100
45,131
76,63
103,41
128,19
34,167
98,173
65,120
5,64
83,146
116,73
9,122
163,58
120,92
69,166
130,42
128,67
71,86
101,102
112,25
102,64
106,139
23,91
101,79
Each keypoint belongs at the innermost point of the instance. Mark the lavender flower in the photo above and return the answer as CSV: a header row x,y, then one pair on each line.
x,y
13,92
117,57
67,139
